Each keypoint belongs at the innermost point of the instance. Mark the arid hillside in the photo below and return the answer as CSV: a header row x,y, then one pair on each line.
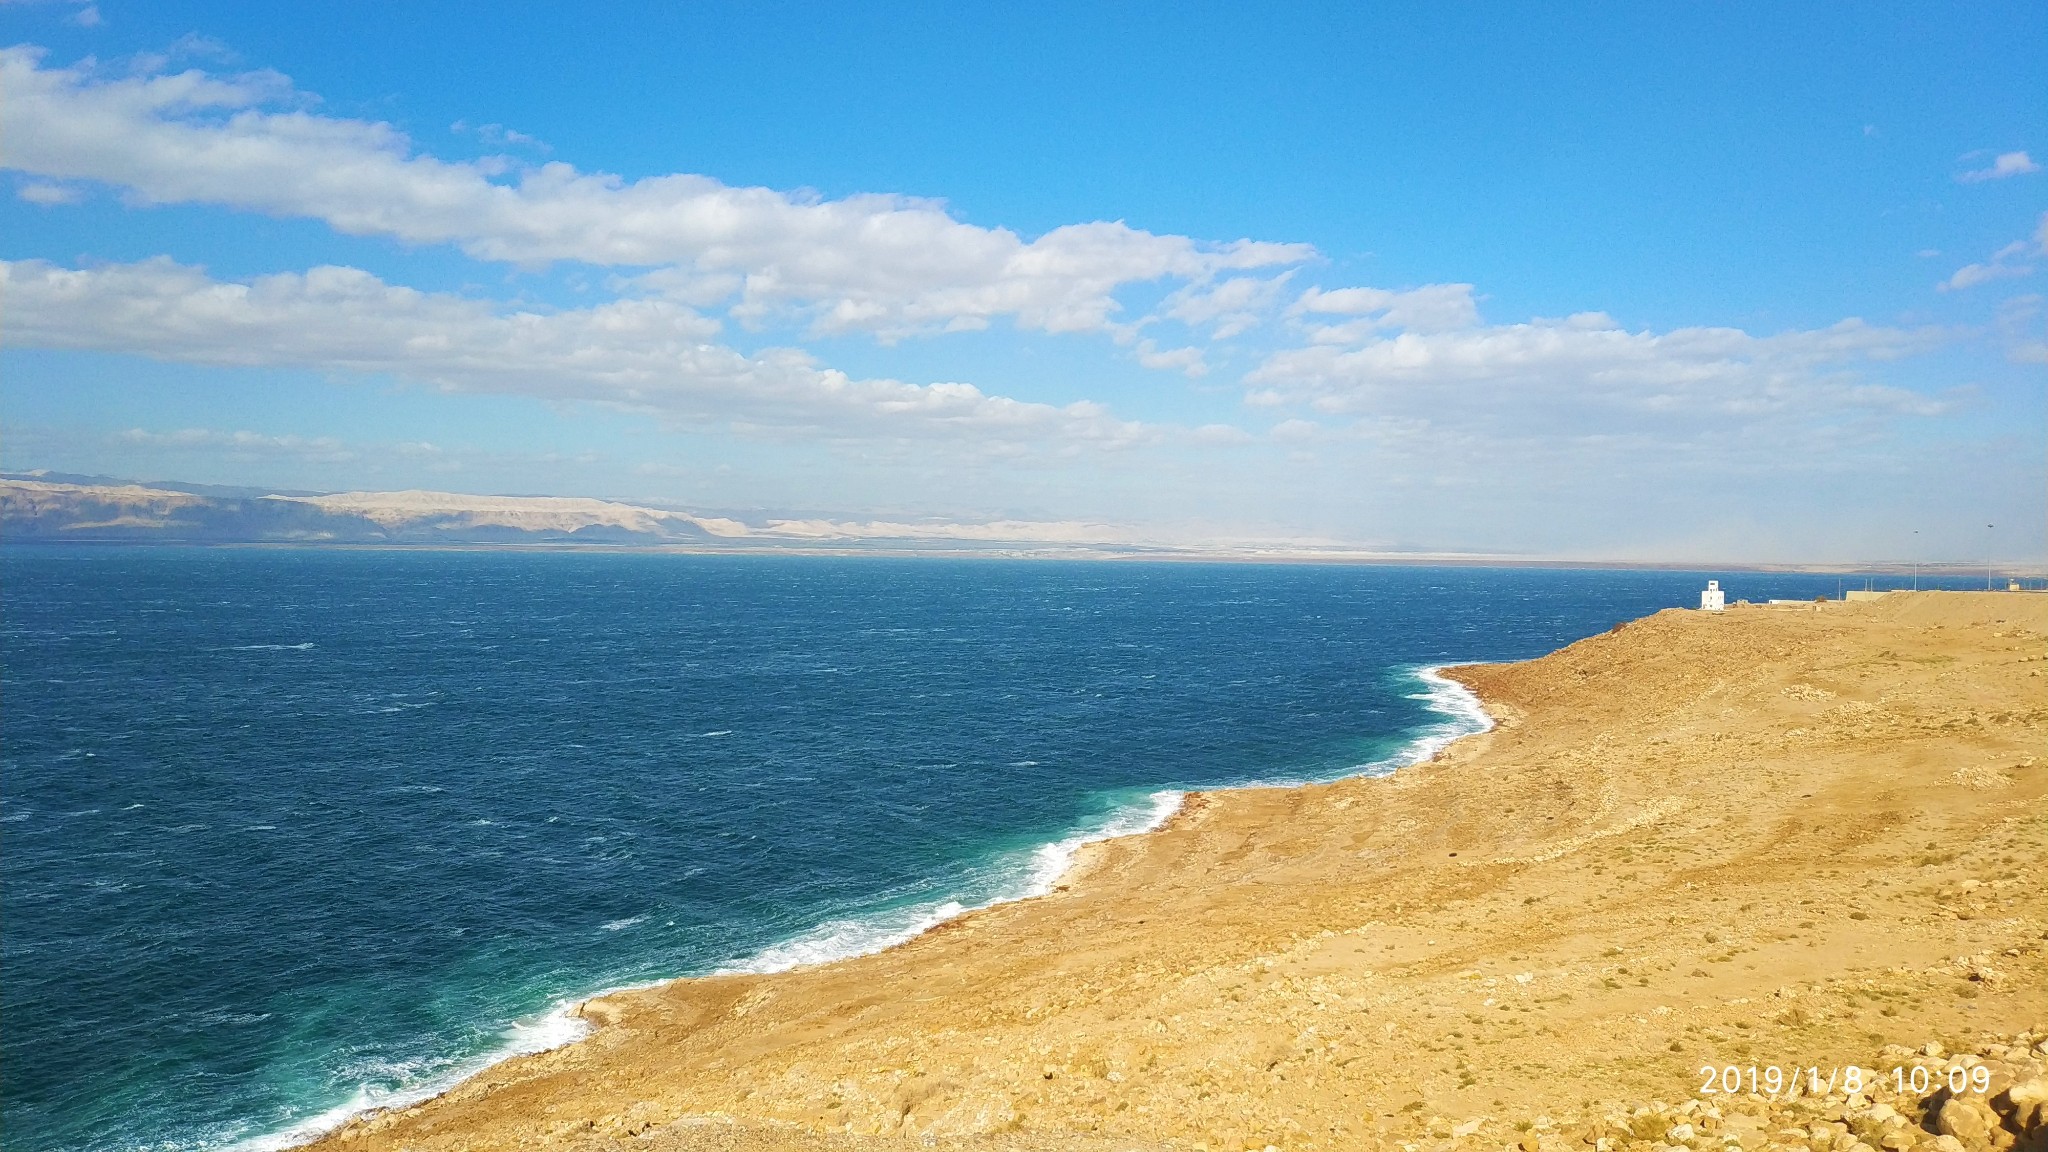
x,y
1777,838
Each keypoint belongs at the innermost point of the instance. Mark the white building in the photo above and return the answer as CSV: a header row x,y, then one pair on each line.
x,y
1711,600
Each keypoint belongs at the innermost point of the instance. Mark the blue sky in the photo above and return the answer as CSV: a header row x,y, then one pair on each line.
x,y
1730,282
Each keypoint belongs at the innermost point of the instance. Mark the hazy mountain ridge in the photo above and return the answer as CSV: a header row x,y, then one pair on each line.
x,y
34,509
52,507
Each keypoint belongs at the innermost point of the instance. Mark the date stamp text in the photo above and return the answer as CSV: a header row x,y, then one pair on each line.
x,y
1812,1080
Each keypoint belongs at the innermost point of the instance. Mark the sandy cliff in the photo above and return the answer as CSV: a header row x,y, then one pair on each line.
x,y
1774,837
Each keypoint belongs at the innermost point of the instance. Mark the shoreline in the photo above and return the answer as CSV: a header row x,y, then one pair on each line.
x,y
1953,571
1059,863
1533,917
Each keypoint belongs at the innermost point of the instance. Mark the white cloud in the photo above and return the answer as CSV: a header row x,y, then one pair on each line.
x,y
651,355
2006,263
2013,260
178,451
882,263
85,14
2007,164
47,195
1229,308
322,449
499,136
1553,371
1184,360
2023,322
1430,308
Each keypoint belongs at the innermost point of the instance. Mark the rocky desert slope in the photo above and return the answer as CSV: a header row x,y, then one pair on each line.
x,y
1800,839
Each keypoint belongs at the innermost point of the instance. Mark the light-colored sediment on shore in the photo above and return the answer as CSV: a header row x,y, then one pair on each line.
x,y
1773,836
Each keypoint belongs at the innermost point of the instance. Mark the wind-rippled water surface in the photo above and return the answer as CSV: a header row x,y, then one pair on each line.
x,y
286,833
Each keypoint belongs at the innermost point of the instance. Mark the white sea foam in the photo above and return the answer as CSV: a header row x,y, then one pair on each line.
x,y
619,925
839,939
1463,715
558,1026
1051,861
272,648
1033,875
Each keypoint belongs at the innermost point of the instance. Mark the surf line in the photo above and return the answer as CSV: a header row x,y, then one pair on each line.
x,y
846,938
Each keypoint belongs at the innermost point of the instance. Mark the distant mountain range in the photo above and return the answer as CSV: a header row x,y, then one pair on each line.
x,y
51,507
54,507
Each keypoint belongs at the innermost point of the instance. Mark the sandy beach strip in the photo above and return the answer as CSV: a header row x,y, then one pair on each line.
x,y
1775,837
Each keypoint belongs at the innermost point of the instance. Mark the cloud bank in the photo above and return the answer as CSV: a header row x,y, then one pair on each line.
x,y
644,354
878,263
1558,370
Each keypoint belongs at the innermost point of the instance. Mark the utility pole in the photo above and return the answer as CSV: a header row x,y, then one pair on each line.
x,y
1989,555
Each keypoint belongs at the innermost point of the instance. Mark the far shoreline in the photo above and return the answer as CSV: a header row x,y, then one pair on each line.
x,y
1954,572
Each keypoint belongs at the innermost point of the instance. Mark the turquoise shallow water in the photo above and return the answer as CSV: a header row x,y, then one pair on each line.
x,y
289,833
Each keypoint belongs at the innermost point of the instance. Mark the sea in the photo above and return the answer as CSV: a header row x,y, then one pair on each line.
x,y
286,834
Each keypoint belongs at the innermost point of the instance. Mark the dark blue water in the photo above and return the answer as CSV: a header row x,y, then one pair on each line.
x,y
284,833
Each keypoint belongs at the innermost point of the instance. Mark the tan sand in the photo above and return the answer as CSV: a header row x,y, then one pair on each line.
x,y
1774,836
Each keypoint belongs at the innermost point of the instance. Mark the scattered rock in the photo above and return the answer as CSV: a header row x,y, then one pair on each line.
x,y
2029,1104
1965,1119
